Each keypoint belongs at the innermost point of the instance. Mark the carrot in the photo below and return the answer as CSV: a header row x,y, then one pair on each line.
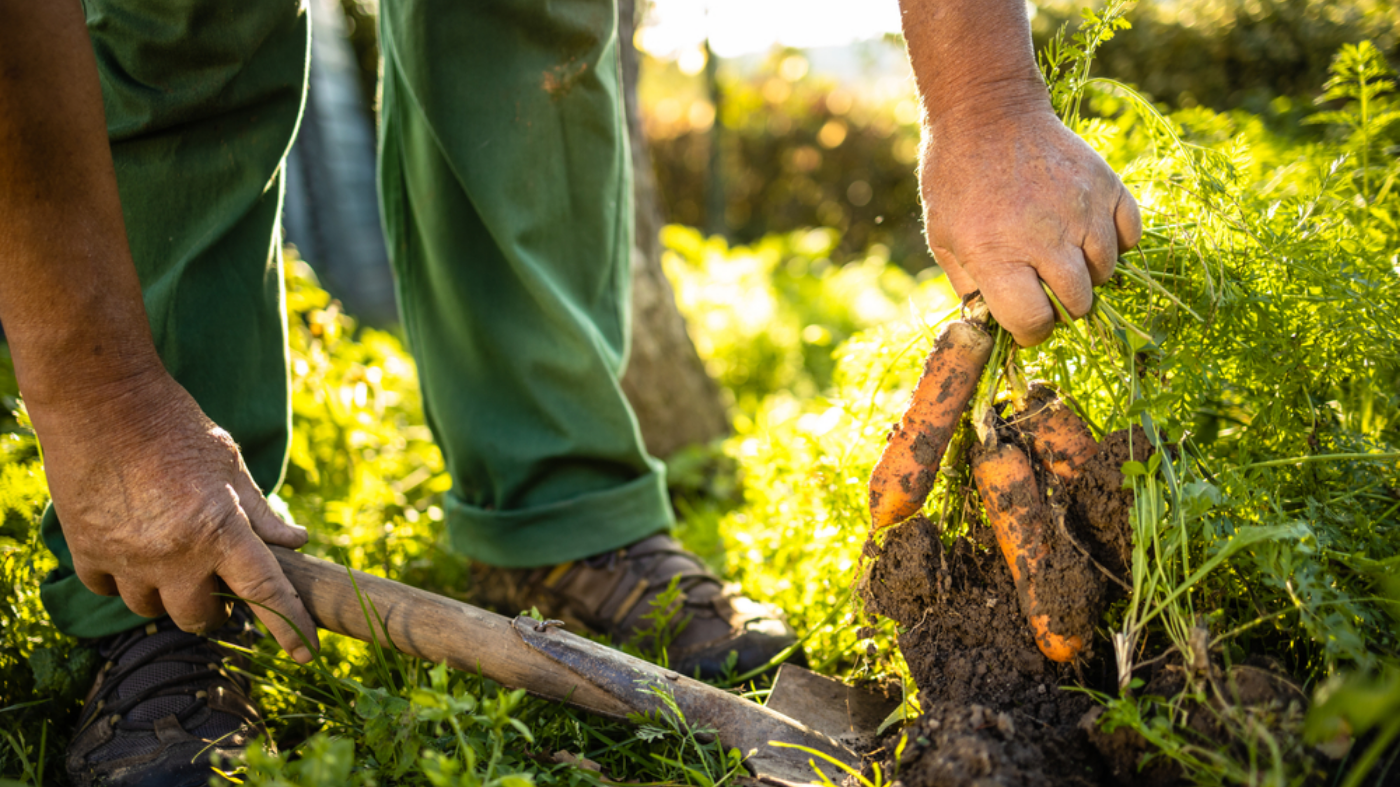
x,y
914,449
1058,437
1017,513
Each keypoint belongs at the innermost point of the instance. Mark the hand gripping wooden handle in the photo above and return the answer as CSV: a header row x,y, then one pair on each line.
x,y
438,629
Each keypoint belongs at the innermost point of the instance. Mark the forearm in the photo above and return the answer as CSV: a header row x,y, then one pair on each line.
x,y
972,59
1013,200
70,300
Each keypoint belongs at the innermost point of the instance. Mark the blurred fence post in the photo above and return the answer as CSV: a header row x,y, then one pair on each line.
x,y
676,402
331,212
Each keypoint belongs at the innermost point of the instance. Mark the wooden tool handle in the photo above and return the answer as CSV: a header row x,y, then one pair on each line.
x,y
431,627
546,662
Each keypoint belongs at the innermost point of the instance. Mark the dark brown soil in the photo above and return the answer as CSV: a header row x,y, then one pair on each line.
x,y
993,709
1101,504
964,637
955,745
995,712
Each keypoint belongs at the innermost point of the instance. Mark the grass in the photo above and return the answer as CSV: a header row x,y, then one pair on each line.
x,y
1255,329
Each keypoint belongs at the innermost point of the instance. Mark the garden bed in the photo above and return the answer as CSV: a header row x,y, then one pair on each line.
x,y
994,709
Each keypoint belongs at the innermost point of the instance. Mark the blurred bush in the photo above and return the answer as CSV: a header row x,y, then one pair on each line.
x,y
1227,54
767,317
796,150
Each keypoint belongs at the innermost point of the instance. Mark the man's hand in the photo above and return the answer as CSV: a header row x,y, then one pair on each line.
x,y
1020,200
154,499
157,507
1011,197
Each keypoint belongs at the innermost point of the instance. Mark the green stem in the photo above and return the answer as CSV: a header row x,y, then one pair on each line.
x,y
1373,752
1387,513
1300,460
1238,630
1365,153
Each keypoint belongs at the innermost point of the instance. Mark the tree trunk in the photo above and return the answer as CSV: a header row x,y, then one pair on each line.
x,y
676,401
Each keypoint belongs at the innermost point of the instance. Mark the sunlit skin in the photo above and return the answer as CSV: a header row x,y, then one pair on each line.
x,y
156,503
154,498
1011,197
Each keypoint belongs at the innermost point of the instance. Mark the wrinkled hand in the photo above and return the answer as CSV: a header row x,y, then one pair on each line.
x,y
158,507
1013,202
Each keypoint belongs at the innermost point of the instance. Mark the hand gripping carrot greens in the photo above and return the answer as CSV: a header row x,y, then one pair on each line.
x,y
909,465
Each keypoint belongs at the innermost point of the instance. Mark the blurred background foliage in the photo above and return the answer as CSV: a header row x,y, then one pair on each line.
x,y
748,146
767,317
786,145
795,149
1227,54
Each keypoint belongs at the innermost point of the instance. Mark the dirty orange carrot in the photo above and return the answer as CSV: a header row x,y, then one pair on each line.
x,y
1018,515
906,471
1058,436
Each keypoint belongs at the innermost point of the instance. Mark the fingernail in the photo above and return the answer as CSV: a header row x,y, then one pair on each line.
x,y
302,655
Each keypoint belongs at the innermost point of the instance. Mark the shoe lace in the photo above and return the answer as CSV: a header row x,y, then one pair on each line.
x,y
189,684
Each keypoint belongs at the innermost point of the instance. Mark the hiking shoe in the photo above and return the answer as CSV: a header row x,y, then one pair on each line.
x,y
165,708
615,594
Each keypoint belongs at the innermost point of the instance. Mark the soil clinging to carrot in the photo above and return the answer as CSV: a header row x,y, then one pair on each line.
x,y
1101,504
914,448
1058,589
994,708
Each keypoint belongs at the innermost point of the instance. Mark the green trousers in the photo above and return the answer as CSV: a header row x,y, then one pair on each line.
x,y
506,195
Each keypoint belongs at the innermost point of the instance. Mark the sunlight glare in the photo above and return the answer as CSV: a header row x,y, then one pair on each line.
x,y
736,27
691,60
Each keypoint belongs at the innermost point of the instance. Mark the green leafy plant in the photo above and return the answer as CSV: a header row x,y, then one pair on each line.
x,y
1362,82
695,754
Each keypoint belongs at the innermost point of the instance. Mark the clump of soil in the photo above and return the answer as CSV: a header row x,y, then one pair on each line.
x,y
954,745
965,639
1100,504
992,705
994,711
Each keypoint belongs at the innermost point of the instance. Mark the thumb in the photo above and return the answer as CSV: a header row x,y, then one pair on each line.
x,y
266,523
